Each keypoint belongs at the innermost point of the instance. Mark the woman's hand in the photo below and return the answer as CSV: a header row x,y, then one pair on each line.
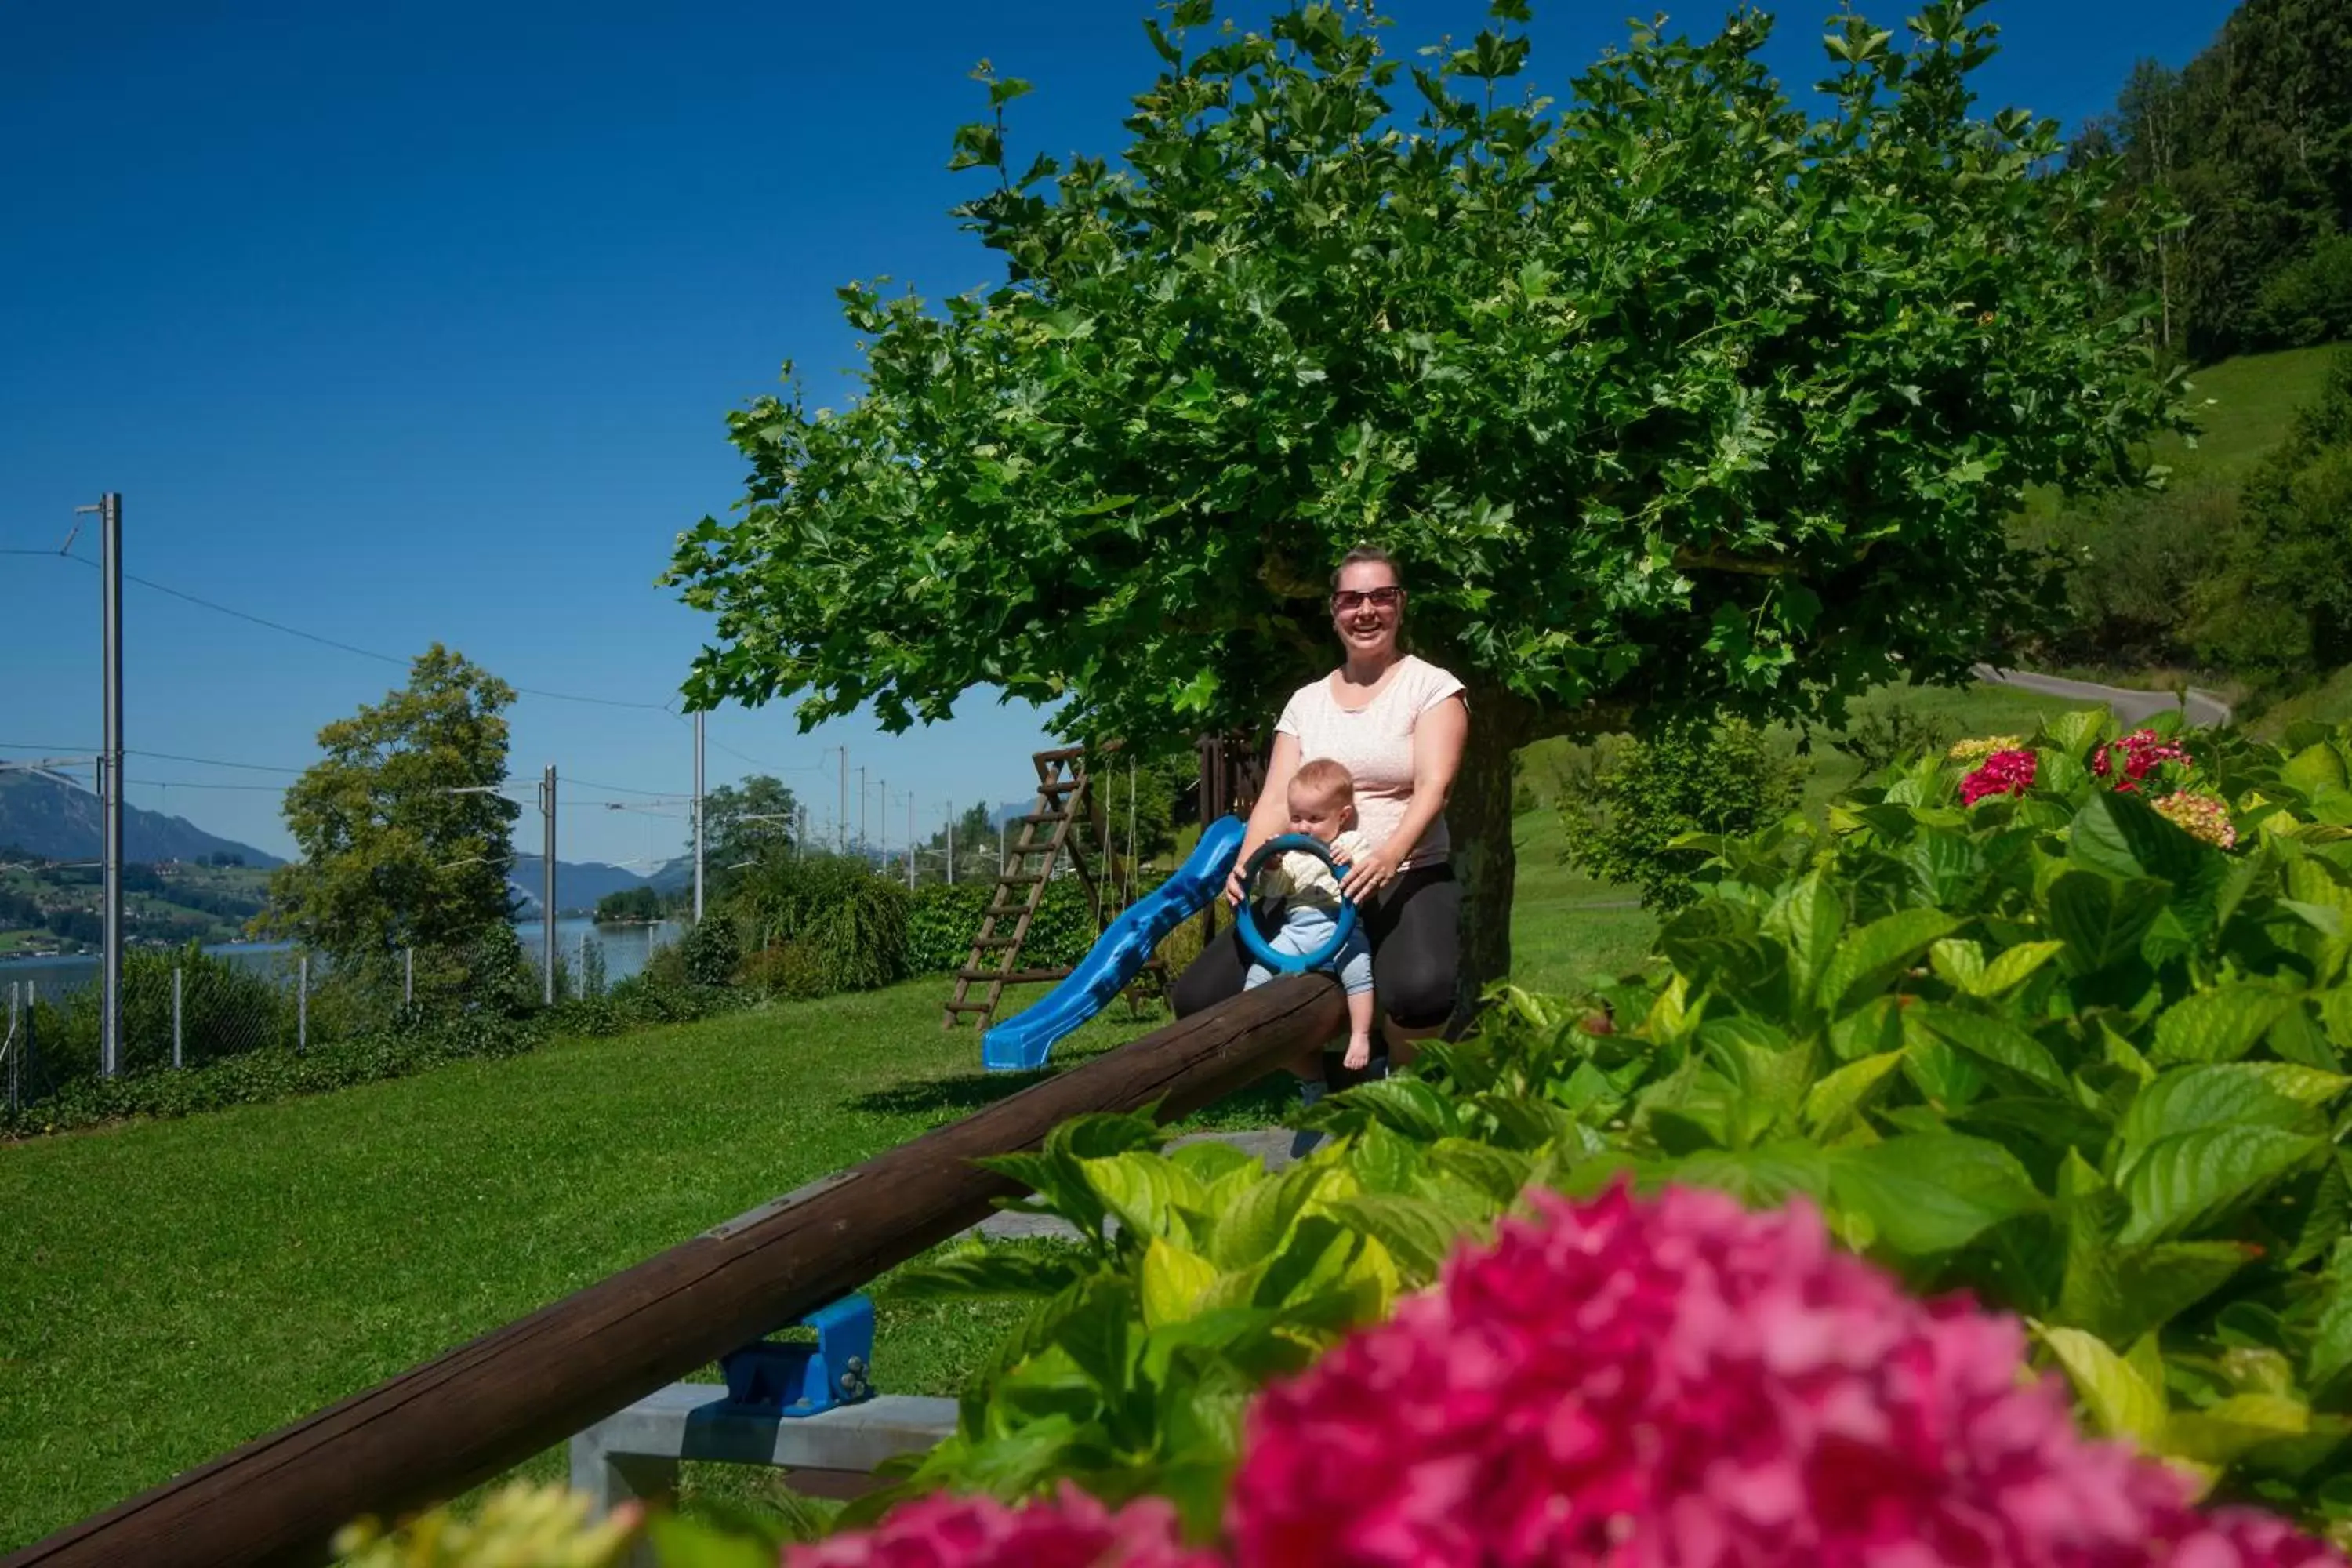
x,y
1370,873
1234,891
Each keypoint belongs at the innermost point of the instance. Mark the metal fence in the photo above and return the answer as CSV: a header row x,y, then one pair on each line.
x,y
181,1012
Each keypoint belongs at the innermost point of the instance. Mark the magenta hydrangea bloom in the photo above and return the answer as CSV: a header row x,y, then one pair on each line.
x,y
1072,1531
2142,753
2003,772
2246,1538
1684,1384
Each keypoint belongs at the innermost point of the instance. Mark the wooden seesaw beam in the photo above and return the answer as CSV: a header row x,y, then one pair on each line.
x,y
464,1417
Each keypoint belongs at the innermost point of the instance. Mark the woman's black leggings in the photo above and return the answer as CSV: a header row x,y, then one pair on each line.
x,y
1416,936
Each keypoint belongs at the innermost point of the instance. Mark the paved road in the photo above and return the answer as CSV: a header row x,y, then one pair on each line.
x,y
2130,707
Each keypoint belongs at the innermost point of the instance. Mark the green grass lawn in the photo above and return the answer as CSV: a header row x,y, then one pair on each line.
x,y
2253,399
172,1289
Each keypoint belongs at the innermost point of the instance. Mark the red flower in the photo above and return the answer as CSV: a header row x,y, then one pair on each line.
x,y
1073,1530
1684,1384
2003,772
2143,753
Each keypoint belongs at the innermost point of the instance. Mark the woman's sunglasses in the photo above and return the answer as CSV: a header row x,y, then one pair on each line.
x,y
1348,599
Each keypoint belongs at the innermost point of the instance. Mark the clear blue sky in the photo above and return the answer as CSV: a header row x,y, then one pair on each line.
x,y
421,321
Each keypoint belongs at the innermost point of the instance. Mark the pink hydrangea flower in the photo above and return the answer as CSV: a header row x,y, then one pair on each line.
x,y
2143,752
2003,772
2246,1538
1072,1531
1684,1384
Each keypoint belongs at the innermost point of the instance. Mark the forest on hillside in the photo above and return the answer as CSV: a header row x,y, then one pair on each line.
x,y
2253,142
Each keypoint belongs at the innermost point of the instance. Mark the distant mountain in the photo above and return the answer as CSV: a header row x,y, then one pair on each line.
x,y
60,821
577,885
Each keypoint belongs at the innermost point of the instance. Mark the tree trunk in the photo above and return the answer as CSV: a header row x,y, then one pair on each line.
x,y
1478,816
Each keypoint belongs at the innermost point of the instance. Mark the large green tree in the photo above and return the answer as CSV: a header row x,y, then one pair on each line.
x,y
748,824
1667,393
404,841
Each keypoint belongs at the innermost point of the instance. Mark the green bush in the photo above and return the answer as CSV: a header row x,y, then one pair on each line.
x,y
2054,1048
789,971
712,948
942,921
852,921
1889,732
272,1072
2281,603
2310,300
1629,808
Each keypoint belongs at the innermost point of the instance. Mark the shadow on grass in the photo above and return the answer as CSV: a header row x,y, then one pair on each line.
x,y
1261,1104
944,1097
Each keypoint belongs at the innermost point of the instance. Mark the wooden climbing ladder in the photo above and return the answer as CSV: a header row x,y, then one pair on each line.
x,y
1063,797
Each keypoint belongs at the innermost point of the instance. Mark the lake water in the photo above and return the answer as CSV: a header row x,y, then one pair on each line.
x,y
625,949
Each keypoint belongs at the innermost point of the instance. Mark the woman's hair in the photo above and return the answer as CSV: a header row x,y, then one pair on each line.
x,y
1366,555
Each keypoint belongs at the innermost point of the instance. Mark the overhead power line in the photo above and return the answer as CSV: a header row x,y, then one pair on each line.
x,y
217,609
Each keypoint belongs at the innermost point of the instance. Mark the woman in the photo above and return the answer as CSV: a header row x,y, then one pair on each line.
x,y
1397,723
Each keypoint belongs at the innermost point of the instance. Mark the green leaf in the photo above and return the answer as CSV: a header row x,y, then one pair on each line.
x,y
2226,1431
2121,1402
1144,1192
681,1542
1407,1105
1383,1161
1255,1227
1417,1232
1994,1040
1211,1159
2123,837
1836,1099
2313,769
2100,920
1867,959
2013,966
2331,1340
1173,1281
1500,1174
2215,1026
1805,917
986,1270
2191,1100
1928,1192
2156,1284
1960,964
2180,1182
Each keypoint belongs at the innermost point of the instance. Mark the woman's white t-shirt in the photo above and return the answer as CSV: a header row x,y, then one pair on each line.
x,y
1374,743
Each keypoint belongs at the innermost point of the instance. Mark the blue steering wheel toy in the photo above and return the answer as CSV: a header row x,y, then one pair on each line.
x,y
1247,926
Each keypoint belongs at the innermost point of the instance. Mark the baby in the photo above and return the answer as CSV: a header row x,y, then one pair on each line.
x,y
1322,806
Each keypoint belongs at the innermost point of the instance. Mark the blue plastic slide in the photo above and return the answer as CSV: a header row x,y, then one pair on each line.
x,y
1021,1042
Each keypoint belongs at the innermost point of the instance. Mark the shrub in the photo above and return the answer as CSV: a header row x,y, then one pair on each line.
x,y
711,950
2281,603
852,920
942,921
793,970
1884,733
1689,777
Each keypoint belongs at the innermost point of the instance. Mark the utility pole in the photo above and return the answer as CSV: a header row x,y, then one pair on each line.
x,y
910,841
697,815
950,843
882,788
546,888
861,806
109,774
841,824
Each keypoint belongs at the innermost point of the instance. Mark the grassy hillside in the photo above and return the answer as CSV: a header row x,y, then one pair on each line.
x,y
2245,405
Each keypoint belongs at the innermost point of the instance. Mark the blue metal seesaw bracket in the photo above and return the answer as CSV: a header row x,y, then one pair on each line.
x,y
788,1379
